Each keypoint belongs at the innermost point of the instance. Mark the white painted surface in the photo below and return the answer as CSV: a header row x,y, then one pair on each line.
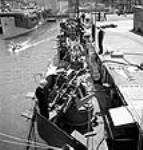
x,y
121,116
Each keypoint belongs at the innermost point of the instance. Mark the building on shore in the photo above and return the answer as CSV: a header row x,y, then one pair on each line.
x,y
138,19
49,4
124,6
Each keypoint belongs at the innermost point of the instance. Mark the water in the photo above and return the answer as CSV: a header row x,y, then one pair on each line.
x,y
16,79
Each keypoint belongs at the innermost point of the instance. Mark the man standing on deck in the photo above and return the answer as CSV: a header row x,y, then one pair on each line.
x,y
42,101
83,17
105,17
93,32
100,40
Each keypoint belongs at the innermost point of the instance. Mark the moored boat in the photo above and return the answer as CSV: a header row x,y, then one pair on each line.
x,y
65,110
78,91
15,22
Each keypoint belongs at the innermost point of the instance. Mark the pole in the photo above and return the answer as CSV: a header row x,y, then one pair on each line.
x,y
77,8
60,6
32,133
2,5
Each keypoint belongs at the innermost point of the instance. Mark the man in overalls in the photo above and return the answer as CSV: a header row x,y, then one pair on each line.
x,y
100,40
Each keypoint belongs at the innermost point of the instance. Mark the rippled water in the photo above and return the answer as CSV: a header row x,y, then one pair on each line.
x,y
16,79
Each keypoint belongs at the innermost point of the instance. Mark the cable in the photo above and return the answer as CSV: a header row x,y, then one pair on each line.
x,y
20,139
129,64
34,146
98,146
23,144
137,53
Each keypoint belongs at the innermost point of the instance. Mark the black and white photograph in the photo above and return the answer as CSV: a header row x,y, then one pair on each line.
x,y
71,74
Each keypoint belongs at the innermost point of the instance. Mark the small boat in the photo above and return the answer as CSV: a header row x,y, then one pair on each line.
x,y
19,46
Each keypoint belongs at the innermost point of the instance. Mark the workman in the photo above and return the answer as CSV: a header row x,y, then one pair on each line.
x,y
42,102
87,29
93,32
82,17
99,16
105,17
100,40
